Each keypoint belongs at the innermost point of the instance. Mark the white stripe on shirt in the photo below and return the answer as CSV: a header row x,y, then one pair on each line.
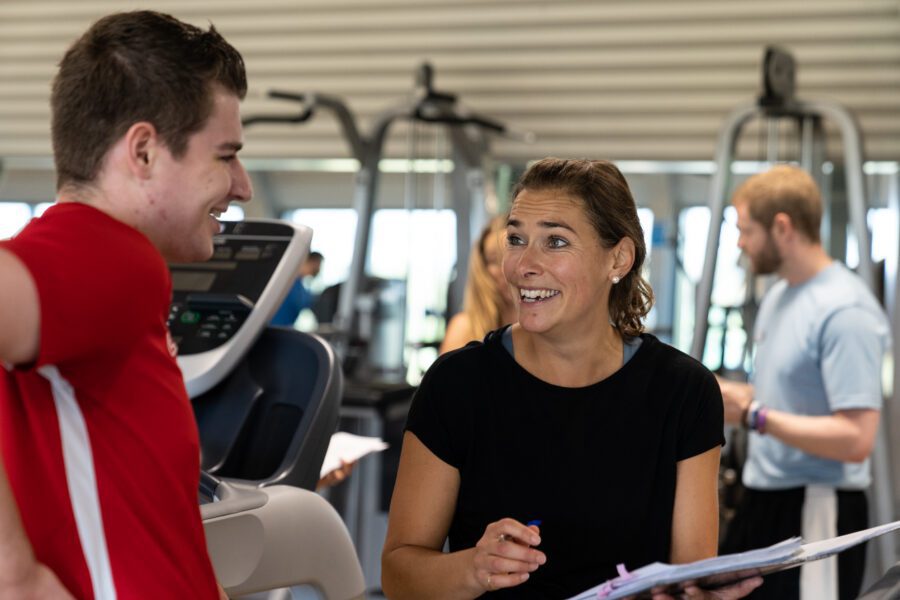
x,y
82,482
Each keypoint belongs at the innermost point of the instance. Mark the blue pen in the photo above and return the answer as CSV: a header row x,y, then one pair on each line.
x,y
535,522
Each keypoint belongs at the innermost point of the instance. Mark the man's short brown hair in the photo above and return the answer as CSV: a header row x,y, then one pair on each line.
x,y
132,67
783,189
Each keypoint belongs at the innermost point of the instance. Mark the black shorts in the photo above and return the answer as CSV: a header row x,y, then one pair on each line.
x,y
764,518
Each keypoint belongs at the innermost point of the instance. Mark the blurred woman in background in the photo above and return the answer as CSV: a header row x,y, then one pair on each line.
x,y
487,304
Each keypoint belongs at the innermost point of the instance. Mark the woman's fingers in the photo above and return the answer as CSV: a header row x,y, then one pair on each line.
x,y
510,529
496,581
504,555
506,564
731,592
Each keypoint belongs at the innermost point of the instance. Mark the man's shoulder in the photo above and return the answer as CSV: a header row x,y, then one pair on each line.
x,y
70,222
831,290
84,262
839,289
71,230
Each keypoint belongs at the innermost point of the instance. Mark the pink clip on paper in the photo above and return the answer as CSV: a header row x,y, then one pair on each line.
x,y
607,588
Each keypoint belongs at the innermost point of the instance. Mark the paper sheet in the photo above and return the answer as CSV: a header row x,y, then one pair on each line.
x,y
721,570
348,447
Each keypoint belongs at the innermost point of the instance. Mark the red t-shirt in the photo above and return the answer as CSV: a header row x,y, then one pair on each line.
x,y
98,436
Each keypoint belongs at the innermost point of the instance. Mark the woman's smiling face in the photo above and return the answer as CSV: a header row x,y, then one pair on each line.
x,y
556,266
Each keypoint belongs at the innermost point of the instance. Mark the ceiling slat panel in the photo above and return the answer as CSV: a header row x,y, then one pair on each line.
x,y
646,79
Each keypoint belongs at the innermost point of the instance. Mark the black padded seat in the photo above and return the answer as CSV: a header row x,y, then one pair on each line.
x,y
271,420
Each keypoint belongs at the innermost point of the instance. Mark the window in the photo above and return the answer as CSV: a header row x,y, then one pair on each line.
x,y
726,338
418,247
647,219
13,217
334,231
882,223
40,208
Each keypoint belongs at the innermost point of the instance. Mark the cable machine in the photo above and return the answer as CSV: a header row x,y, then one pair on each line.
x,y
368,397
468,134
775,105
469,145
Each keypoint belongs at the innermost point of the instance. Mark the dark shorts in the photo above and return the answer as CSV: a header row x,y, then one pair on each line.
x,y
764,518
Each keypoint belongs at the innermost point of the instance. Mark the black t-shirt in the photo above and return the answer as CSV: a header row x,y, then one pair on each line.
x,y
596,465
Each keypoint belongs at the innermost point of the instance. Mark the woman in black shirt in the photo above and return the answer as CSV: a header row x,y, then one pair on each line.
x,y
570,442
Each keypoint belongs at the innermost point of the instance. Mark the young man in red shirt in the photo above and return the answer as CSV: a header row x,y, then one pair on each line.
x,y
98,486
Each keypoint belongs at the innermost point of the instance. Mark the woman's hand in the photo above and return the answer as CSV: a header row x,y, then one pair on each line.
x,y
730,592
504,556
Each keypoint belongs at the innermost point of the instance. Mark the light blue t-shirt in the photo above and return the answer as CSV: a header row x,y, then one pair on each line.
x,y
819,349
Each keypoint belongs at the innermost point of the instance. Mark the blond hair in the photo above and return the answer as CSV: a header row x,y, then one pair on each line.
x,y
482,301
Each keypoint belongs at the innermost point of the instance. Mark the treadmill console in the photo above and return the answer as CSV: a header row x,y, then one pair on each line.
x,y
220,306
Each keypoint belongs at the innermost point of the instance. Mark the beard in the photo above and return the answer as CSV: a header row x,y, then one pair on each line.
x,y
768,260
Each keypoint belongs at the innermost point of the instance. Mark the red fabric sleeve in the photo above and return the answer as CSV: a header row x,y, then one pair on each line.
x,y
87,301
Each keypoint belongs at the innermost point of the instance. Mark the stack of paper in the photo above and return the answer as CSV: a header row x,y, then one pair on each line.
x,y
658,574
722,570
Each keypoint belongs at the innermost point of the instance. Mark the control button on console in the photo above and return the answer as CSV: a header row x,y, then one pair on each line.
x,y
190,316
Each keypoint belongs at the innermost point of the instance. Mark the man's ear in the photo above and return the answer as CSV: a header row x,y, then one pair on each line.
x,y
782,225
142,144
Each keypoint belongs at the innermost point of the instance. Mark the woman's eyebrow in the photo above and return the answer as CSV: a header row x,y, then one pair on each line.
x,y
554,224
543,224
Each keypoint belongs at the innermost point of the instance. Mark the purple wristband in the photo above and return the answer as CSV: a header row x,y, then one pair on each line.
x,y
760,424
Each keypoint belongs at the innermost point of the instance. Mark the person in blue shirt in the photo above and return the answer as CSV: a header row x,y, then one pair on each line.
x,y
812,406
299,296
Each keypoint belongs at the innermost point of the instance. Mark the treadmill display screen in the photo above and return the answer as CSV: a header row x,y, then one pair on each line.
x,y
211,300
192,281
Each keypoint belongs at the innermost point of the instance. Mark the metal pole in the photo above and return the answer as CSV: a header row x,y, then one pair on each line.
x,y
806,144
718,187
772,139
364,203
882,483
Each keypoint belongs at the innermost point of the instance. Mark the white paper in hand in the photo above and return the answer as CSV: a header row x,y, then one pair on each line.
x,y
348,447
721,570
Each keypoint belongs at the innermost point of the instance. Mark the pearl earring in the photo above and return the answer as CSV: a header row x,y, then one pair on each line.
x,y
616,279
